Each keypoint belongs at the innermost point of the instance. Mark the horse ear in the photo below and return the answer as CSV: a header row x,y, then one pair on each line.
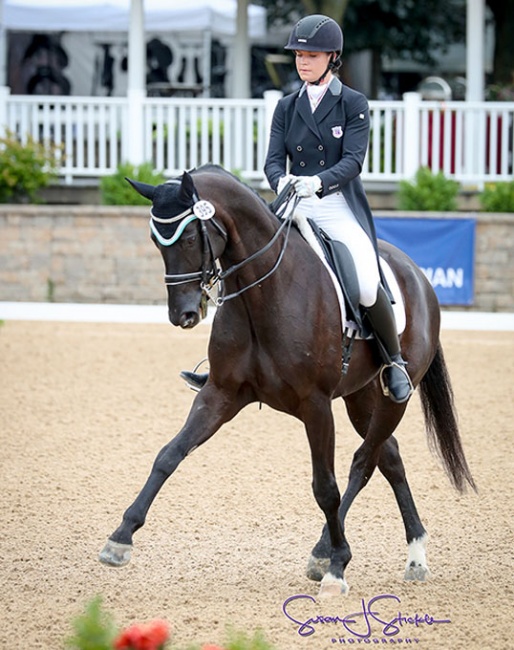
x,y
187,187
144,189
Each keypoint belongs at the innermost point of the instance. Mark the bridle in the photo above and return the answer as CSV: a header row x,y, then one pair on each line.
x,y
211,274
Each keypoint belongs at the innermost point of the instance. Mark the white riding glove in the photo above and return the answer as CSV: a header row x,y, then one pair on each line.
x,y
306,186
283,181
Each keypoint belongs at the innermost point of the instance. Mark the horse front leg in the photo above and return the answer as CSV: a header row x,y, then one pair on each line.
x,y
319,425
210,410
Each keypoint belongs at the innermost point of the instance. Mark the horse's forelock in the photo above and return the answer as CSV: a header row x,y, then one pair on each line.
x,y
168,202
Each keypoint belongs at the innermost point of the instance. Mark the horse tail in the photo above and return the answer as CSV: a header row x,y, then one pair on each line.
x,y
441,422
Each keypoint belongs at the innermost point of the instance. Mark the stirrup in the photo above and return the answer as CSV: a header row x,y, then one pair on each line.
x,y
385,387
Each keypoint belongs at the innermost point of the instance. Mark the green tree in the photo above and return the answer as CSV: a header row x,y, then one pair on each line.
x,y
395,27
503,12
405,27
281,12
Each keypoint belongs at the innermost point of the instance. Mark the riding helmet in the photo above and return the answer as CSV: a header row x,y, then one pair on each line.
x,y
316,33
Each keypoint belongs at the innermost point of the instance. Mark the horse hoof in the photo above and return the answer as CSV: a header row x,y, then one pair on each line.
x,y
416,567
115,554
332,587
317,567
414,571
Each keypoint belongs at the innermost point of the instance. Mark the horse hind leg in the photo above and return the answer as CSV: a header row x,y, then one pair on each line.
x,y
390,464
363,415
392,468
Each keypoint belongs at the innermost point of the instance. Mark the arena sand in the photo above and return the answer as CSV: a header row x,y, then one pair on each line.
x,y
86,407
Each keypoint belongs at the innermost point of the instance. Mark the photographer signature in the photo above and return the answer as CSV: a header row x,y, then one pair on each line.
x,y
361,623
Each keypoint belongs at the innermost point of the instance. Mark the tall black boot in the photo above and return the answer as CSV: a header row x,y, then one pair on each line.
x,y
195,380
396,383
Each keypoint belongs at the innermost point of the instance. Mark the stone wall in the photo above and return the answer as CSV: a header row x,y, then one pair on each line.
x,y
104,254
78,254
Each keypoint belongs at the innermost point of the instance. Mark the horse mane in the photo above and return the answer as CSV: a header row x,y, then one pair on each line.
x,y
218,169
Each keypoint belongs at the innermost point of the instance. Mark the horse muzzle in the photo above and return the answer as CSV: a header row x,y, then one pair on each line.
x,y
186,318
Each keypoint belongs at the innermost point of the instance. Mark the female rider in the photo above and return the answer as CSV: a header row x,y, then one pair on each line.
x,y
321,132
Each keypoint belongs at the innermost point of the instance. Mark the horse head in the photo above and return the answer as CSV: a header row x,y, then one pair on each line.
x,y
189,240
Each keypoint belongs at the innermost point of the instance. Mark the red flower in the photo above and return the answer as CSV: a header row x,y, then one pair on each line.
x,y
152,636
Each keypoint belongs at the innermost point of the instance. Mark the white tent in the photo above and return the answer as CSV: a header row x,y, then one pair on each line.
x,y
232,17
218,16
212,18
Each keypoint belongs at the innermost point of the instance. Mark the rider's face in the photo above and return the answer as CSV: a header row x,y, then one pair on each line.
x,y
311,65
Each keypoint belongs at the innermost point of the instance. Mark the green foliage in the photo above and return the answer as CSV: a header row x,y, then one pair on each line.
x,y
401,29
93,630
236,640
25,168
429,192
242,641
115,190
50,290
498,197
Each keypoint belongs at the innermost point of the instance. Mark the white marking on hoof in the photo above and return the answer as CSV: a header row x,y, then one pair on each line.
x,y
115,554
317,567
332,587
416,567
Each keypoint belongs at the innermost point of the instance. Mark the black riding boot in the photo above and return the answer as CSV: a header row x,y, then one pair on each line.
x,y
195,380
396,383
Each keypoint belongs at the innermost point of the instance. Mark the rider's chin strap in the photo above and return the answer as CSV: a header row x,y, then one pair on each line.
x,y
333,65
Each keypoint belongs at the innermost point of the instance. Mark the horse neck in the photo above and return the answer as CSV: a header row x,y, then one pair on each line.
x,y
246,259
250,226
249,230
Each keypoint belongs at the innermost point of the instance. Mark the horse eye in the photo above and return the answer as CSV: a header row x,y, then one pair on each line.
x,y
190,239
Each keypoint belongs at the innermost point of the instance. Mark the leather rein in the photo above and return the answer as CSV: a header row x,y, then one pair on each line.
x,y
211,274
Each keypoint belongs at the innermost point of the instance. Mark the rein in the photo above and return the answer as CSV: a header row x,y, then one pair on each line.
x,y
210,274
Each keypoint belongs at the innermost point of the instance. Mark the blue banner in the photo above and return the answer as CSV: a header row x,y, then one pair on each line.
x,y
443,248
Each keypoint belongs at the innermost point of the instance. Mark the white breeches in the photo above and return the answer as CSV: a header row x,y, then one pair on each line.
x,y
334,216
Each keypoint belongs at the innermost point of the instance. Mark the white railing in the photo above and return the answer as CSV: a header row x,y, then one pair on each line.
x,y
181,134
472,142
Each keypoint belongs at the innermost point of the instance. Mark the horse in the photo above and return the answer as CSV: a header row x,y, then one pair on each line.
x,y
277,338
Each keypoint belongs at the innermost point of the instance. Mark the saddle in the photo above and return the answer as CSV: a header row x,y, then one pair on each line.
x,y
341,262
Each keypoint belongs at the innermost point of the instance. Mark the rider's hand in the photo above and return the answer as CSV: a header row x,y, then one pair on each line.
x,y
283,181
306,186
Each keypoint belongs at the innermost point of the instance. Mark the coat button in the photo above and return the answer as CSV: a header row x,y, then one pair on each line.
x,y
322,163
320,147
299,148
302,164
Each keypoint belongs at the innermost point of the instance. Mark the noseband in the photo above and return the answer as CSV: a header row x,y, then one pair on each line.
x,y
210,274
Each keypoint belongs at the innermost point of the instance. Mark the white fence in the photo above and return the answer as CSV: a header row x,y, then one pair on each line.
x,y
472,142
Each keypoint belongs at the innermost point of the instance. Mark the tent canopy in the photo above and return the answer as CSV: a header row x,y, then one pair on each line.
x,y
218,16
237,19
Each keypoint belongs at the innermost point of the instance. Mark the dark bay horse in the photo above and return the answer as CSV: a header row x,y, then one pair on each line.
x,y
277,339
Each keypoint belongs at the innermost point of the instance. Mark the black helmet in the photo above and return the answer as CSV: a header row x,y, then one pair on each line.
x,y
316,33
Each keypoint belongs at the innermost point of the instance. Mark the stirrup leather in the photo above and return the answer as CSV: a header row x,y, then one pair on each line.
x,y
383,384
